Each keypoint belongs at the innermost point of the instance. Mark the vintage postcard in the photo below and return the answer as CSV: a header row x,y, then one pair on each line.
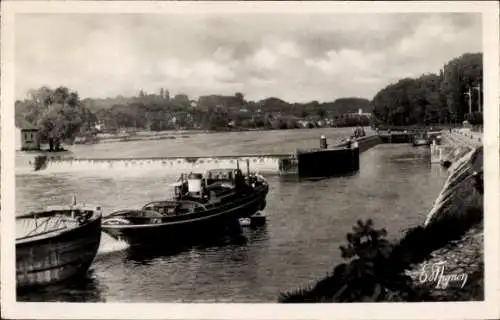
x,y
250,160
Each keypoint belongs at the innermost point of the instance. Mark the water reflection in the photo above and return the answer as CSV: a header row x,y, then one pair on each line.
x,y
295,179
82,289
208,241
255,235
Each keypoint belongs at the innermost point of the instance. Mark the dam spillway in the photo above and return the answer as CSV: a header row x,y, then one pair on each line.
x,y
262,163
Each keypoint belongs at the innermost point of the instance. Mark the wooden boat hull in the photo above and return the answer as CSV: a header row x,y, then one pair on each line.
x,y
188,230
58,258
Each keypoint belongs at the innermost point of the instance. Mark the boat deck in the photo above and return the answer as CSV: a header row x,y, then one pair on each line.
x,y
50,222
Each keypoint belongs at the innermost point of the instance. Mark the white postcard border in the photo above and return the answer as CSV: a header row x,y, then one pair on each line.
x,y
471,310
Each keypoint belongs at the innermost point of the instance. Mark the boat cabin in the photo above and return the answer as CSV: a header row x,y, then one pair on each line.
x,y
224,176
214,183
173,208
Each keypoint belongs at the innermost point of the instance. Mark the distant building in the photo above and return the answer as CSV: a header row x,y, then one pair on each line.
x,y
104,126
100,126
304,123
27,137
360,113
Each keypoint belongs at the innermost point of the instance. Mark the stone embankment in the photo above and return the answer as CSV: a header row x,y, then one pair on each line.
x,y
461,199
455,144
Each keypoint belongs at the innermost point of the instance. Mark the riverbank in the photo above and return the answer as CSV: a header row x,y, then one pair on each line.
x,y
450,242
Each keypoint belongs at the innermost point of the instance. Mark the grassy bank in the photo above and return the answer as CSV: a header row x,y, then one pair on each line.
x,y
377,270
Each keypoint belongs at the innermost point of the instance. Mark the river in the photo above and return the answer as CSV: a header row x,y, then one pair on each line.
x,y
307,221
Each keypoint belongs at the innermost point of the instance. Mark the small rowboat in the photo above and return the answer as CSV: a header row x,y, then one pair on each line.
x,y
256,220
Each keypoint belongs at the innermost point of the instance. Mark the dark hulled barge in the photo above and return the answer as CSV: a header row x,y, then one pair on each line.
x,y
56,245
201,205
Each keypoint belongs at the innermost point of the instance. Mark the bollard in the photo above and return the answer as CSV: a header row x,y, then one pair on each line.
x,y
323,143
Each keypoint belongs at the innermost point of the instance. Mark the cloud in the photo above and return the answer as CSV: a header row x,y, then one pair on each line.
x,y
264,59
347,61
288,49
297,57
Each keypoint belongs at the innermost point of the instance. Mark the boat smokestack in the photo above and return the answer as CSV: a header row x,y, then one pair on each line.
x,y
323,143
194,183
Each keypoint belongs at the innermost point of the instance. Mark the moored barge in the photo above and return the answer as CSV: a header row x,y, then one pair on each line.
x,y
202,204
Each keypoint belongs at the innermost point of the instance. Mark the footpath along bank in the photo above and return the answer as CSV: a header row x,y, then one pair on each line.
x,y
439,260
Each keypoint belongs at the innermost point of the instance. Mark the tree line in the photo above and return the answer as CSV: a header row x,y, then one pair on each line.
x,y
219,112
61,115
452,96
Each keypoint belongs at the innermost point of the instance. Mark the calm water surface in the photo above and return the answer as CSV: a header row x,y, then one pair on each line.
x,y
229,143
307,221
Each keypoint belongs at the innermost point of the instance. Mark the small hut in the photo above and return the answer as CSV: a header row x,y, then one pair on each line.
x,y
27,137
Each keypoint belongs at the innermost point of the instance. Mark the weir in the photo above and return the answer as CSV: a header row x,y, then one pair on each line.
x,y
261,163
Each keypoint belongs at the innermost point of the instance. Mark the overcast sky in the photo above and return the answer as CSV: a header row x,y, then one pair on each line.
x,y
296,57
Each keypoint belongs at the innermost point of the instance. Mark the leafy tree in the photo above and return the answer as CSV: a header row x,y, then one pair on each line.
x,y
291,124
240,98
431,98
58,114
321,112
182,100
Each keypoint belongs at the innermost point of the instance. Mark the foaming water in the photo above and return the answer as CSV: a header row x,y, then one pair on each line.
x,y
166,165
109,245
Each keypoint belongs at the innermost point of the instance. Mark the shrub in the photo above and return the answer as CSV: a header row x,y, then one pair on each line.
x,y
40,162
375,267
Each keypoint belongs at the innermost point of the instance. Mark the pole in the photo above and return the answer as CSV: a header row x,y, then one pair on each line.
x,y
469,94
478,88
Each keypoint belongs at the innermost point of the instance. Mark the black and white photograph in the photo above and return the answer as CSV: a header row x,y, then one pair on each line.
x,y
228,153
